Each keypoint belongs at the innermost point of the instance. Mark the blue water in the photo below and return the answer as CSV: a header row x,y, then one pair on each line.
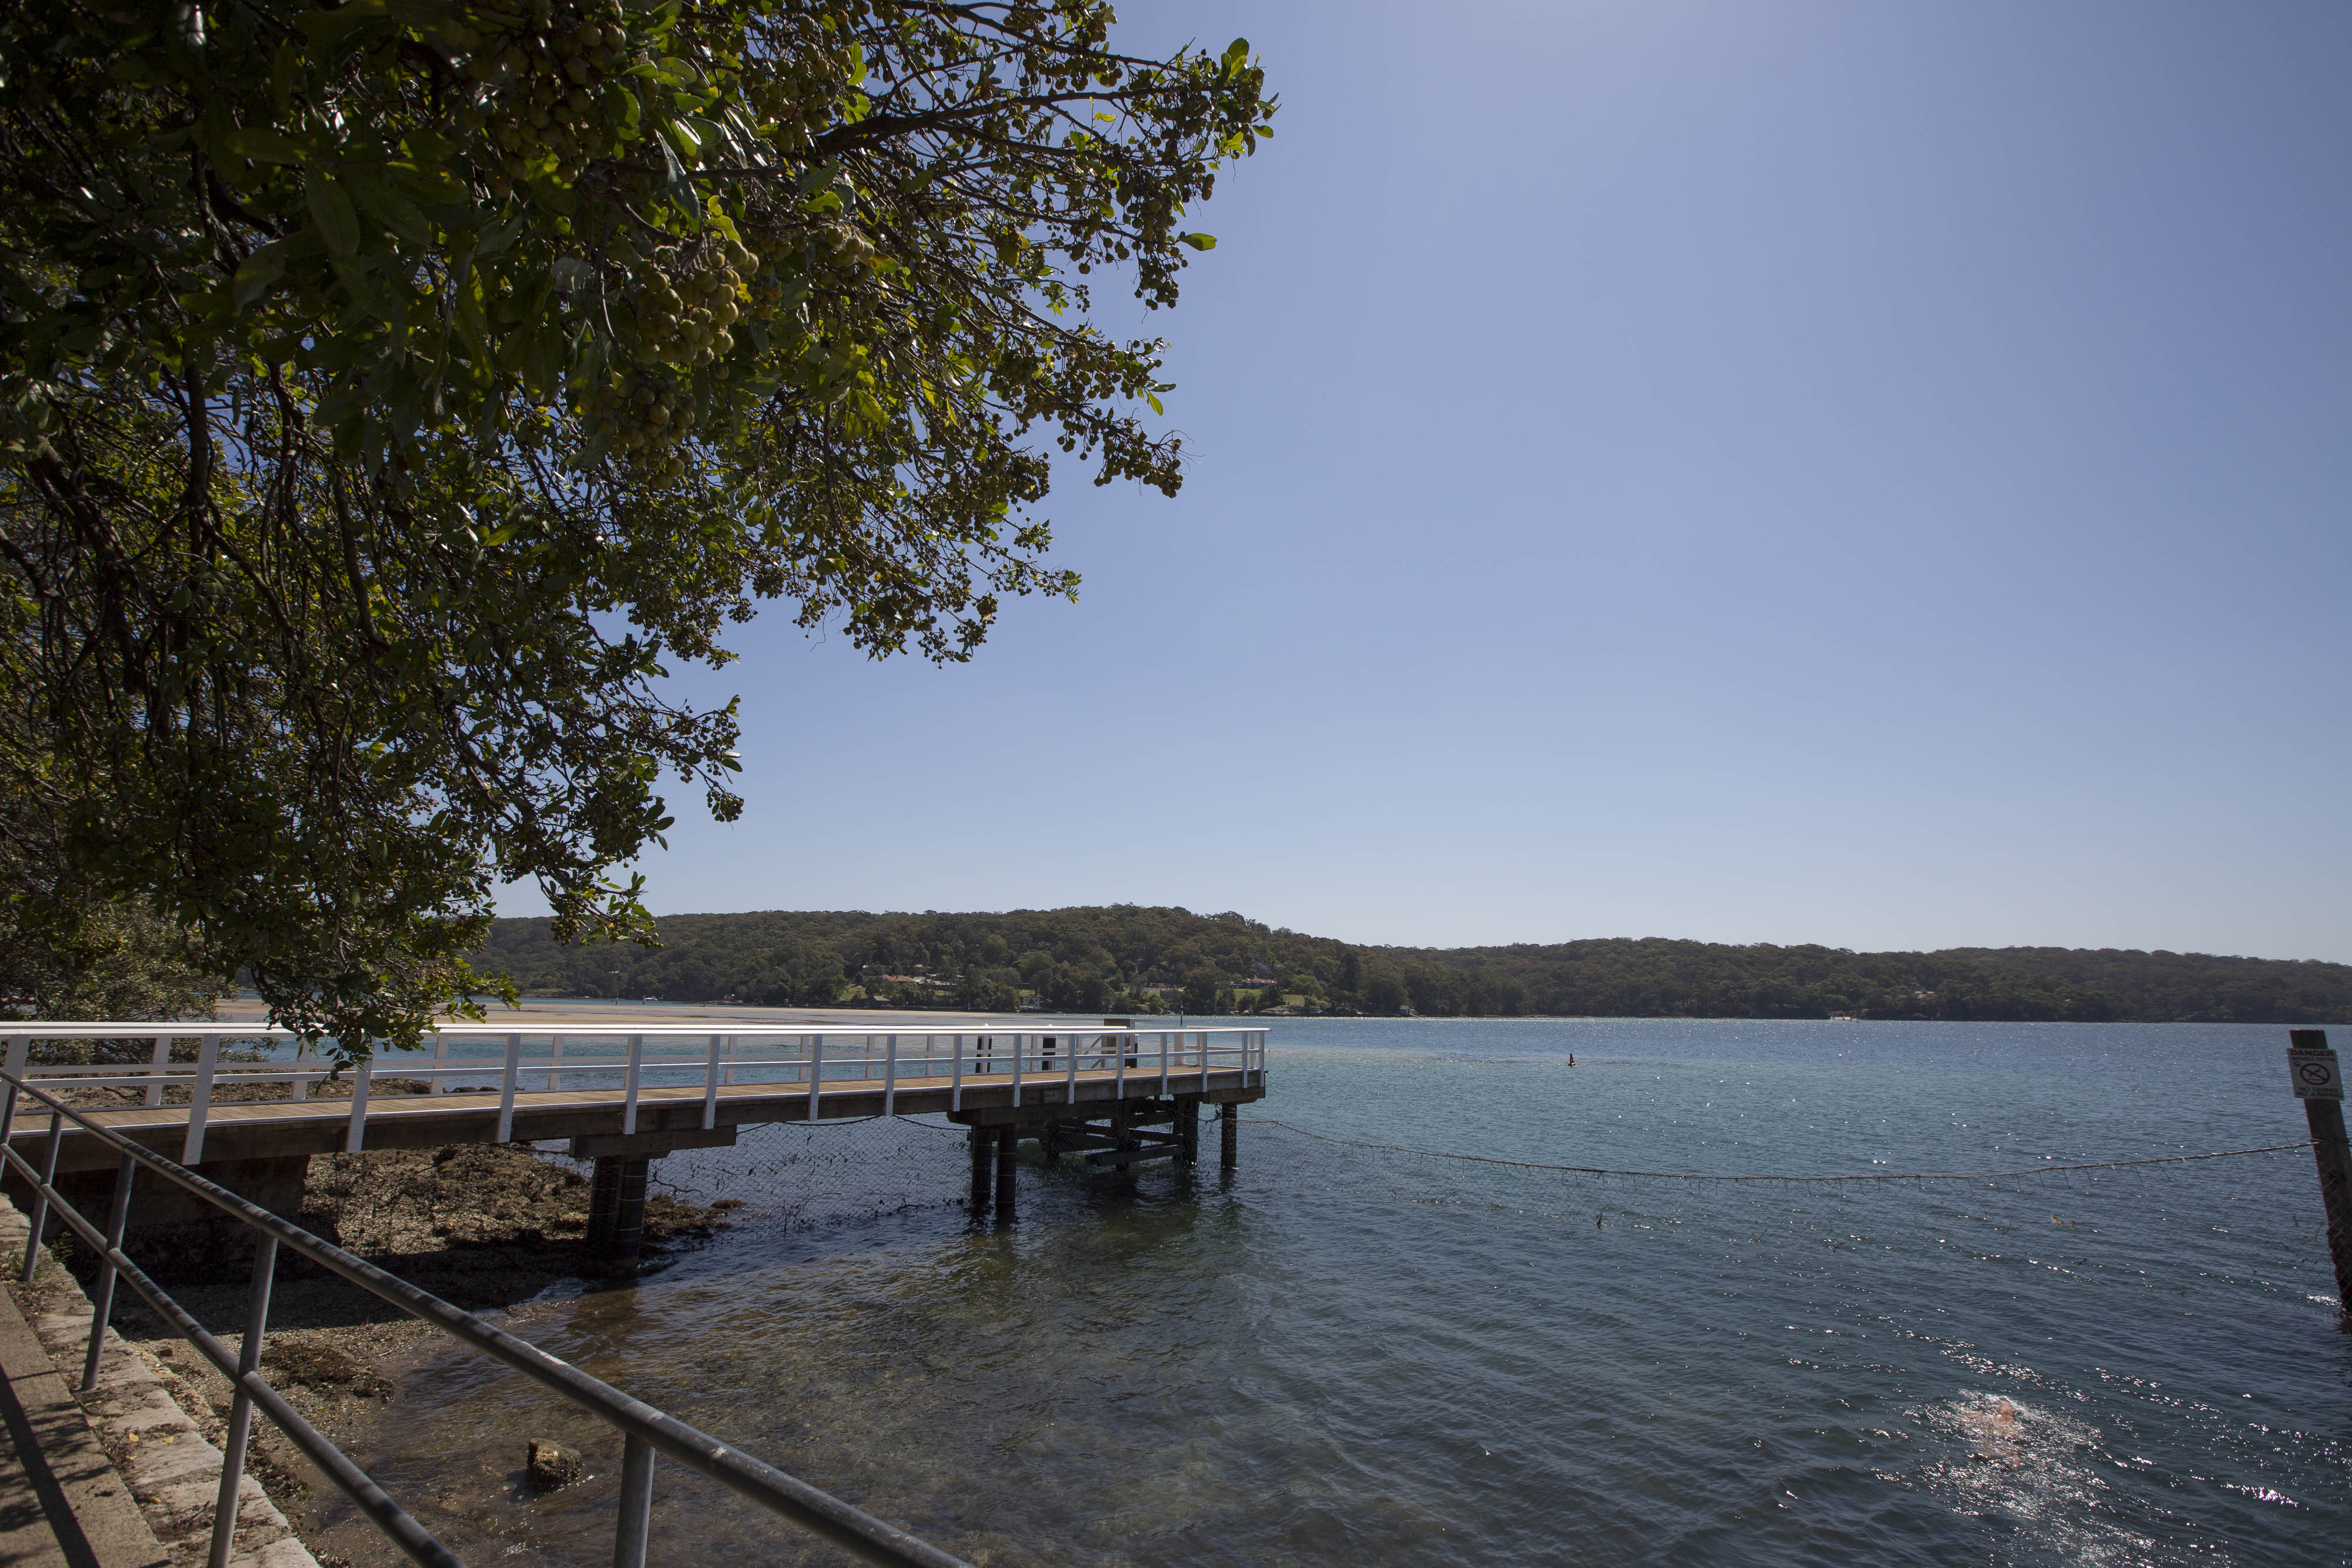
x,y
1340,1356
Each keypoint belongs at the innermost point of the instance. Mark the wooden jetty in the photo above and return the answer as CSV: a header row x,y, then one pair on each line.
x,y
1111,1094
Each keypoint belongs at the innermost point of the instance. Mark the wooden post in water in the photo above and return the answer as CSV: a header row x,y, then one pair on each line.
x,y
1008,1139
2319,1085
1229,1124
983,1153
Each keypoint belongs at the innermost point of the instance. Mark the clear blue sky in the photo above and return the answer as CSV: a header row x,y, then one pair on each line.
x,y
1871,474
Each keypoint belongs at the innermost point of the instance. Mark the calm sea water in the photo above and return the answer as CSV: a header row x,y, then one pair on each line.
x,y
1340,1356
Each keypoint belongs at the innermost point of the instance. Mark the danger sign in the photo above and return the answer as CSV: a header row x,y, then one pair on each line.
x,y
2315,1074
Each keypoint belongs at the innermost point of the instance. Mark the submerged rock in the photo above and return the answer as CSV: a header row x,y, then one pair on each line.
x,y
551,1465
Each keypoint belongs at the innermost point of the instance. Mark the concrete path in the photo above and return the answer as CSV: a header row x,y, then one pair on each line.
x,y
62,1503
171,1472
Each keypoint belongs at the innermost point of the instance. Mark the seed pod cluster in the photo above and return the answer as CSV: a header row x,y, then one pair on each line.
x,y
804,71
685,307
767,291
646,422
542,87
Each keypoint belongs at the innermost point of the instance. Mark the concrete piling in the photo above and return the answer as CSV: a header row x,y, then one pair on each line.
x,y
629,1216
604,1205
616,1211
1008,1141
983,1170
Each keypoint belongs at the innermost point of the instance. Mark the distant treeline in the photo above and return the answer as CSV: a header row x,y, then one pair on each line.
x,y
1128,959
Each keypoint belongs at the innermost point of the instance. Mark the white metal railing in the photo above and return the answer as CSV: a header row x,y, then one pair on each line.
x,y
488,1059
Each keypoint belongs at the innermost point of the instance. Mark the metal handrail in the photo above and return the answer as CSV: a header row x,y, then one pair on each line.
x,y
814,1058
646,1430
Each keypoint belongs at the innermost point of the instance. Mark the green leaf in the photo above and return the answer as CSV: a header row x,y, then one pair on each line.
x,y
498,236
1198,242
264,145
719,220
354,281
622,111
347,27
677,134
260,270
472,330
1154,402
1235,56
331,210
421,183
389,207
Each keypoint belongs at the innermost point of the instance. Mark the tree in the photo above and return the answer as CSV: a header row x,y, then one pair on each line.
x,y
392,390
1201,993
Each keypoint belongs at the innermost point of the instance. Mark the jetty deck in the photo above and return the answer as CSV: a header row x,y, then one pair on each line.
x,y
650,1092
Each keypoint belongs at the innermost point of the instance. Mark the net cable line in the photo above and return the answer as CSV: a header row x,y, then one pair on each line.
x,y
1705,1176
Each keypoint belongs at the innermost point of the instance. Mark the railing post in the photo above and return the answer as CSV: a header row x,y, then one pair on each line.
x,y
440,1057
41,1195
955,1084
1205,1061
890,1075
1070,1073
637,1503
20,1046
507,1088
1016,1071
629,1089
554,1061
240,1409
102,1299
296,1088
159,1066
730,1061
816,1072
710,1086
357,1137
200,1101
1163,1064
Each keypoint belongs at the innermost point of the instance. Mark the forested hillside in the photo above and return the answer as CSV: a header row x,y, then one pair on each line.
x,y
1128,959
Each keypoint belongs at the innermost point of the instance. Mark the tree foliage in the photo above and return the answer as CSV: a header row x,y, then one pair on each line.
x,y
392,390
1129,958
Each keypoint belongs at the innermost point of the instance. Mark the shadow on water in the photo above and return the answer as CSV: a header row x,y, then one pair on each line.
x,y
1339,1355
